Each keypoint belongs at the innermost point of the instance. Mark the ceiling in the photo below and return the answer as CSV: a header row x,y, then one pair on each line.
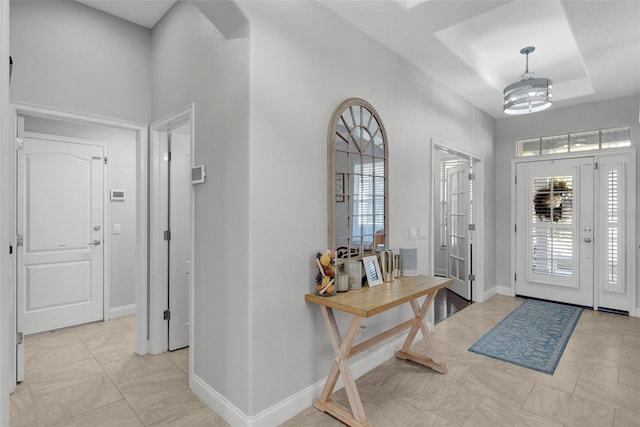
x,y
589,48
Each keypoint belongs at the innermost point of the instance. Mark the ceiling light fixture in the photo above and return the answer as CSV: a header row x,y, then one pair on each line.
x,y
529,95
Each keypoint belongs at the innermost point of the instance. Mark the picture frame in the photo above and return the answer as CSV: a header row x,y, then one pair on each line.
x,y
339,186
372,270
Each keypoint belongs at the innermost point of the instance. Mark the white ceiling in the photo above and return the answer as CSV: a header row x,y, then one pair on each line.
x,y
589,48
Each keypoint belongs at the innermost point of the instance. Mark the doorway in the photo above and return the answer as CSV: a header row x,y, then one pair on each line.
x,y
573,230
64,146
454,223
171,225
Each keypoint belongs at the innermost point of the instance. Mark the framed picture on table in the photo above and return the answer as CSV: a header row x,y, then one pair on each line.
x,y
372,269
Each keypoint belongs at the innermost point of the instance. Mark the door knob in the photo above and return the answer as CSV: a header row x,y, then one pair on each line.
x,y
587,239
95,242
96,227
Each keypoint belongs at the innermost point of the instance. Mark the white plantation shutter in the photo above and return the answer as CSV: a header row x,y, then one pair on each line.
x,y
614,224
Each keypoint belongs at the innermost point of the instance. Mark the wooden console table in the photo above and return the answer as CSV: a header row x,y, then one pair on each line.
x,y
367,302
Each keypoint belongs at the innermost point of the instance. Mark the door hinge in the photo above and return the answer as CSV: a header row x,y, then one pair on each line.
x,y
20,338
515,179
515,228
106,161
472,277
472,227
167,235
472,176
167,156
19,143
19,240
596,165
515,277
166,315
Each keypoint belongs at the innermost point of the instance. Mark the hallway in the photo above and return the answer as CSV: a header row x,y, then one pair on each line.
x,y
89,375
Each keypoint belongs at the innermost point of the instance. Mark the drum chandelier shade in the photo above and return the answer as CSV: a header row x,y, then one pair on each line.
x,y
529,95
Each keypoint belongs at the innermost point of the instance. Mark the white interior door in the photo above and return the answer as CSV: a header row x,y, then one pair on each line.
x,y
60,219
180,243
554,230
458,266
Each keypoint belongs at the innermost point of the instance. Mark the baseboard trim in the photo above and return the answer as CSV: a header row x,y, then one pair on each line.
x,y
490,293
508,291
122,311
287,408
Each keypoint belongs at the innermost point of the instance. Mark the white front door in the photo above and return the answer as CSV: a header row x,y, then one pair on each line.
x,y
60,219
458,267
554,230
180,242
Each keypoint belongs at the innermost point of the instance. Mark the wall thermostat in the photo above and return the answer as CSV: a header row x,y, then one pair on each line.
x,y
118,195
197,174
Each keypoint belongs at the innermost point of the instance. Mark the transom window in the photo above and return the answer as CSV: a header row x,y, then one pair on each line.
x,y
575,142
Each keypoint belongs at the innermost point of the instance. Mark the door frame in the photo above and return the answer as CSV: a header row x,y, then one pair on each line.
x,y
479,191
158,277
631,247
8,339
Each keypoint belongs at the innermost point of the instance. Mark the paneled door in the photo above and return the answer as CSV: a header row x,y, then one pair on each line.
x,y
458,250
554,230
60,221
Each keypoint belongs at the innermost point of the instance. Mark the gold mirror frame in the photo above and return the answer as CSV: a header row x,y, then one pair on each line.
x,y
358,137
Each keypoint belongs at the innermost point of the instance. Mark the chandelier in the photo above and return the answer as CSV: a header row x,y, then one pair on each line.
x,y
529,95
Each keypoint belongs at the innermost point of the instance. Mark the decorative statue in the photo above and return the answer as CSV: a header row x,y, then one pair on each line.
x,y
545,201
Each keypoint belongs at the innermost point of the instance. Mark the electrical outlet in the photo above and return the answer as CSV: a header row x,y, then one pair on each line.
x,y
361,332
422,233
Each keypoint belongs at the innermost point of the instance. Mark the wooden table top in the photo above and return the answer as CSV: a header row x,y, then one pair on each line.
x,y
367,301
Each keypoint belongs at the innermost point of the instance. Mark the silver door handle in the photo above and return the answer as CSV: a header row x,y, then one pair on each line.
x,y
94,243
587,239
96,227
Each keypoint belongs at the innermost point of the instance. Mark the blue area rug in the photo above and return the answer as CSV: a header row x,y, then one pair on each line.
x,y
533,335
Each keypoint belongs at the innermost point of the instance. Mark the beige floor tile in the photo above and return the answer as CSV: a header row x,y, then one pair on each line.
x,y
630,377
116,414
567,409
608,392
589,365
312,417
498,385
626,418
623,356
177,408
28,420
180,358
454,402
144,393
562,379
43,361
21,404
631,342
134,367
491,413
64,377
70,402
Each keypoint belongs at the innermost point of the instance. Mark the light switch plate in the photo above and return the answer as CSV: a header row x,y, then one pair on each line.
x,y
413,233
422,233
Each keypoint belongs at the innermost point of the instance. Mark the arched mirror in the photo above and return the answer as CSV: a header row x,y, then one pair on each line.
x,y
358,181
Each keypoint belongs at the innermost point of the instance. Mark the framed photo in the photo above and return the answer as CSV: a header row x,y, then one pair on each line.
x,y
339,187
372,269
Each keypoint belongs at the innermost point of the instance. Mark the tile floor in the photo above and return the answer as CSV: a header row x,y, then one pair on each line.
x,y
597,382
89,376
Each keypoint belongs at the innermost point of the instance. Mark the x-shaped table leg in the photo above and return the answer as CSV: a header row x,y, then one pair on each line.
x,y
434,362
341,348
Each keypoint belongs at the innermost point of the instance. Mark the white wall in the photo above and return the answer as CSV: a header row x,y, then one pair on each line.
x,y
121,149
598,115
304,62
72,57
193,62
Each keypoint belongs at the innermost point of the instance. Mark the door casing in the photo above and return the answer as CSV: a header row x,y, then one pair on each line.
x,y
9,338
